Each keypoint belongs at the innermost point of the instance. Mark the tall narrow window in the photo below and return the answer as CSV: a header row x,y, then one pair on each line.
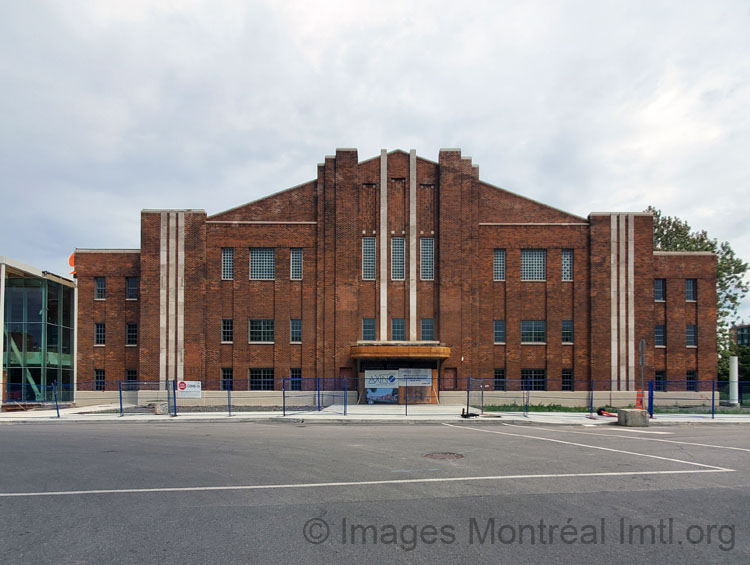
x,y
500,379
533,265
368,329
397,258
295,264
567,379
368,258
428,329
295,379
261,379
398,329
691,381
533,331
567,331
691,289
499,331
660,381
100,334
691,335
99,379
261,330
100,292
227,330
567,264
498,265
131,375
660,338
295,330
660,290
131,288
262,263
131,334
227,378
227,263
427,259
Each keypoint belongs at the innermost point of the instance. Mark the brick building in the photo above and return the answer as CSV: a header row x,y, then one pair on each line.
x,y
395,262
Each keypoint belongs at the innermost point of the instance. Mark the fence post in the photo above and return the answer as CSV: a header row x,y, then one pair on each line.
x,y
651,399
283,396
54,389
119,385
229,397
468,392
591,399
346,393
713,399
317,381
174,395
406,395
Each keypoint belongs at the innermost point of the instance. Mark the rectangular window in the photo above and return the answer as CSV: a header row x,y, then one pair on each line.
x,y
227,330
567,264
131,334
498,265
499,331
368,329
428,329
227,263
567,331
533,265
368,258
533,331
261,379
295,330
100,334
534,379
500,379
397,258
691,335
227,378
131,288
295,264
131,375
567,379
660,381
295,379
660,336
262,330
100,292
691,289
660,290
398,329
427,259
262,263
99,379
691,381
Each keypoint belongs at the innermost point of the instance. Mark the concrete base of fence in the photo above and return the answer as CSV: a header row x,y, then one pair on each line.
x,y
632,418
161,408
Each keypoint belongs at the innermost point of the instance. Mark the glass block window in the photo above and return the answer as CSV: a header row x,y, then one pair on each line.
x,y
660,336
227,330
691,334
100,292
398,329
567,331
368,328
131,375
368,258
499,331
131,288
691,289
295,264
691,381
397,258
100,334
261,330
533,265
498,265
295,379
660,289
131,334
533,331
534,379
567,379
262,263
428,329
660,381
295,330
261,379
227,378
227,263
427,259
99,380
567,264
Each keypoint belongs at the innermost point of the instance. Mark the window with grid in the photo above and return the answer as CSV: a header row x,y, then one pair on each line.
x,y
227,263
567,264
691,334
498,265
398,329
131,375
99,380
533,331
131,288
295,379
691,381
262,263
660,337
227,378
397,258
100,292
567,331
691,289
533,264
261,379
368,328
499,331
368,258
660,381
295,264
227,330
100,334
427,259
567,379
428,329
295,330
131,334
534,379
660,290
261,330
500,379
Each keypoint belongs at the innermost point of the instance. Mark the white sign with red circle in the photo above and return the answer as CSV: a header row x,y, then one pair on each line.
x,y
189,389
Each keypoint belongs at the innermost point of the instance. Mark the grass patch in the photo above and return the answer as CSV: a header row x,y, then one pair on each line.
x,y
541,408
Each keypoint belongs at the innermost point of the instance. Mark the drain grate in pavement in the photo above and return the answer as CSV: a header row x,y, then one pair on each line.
x,y
444,455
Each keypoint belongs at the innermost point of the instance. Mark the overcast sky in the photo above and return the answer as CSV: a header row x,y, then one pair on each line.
x,y
109,107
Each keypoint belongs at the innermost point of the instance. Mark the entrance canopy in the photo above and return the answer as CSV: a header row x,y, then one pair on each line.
x,y
400,351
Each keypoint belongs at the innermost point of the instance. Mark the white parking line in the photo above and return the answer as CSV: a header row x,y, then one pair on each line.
x,y
639,431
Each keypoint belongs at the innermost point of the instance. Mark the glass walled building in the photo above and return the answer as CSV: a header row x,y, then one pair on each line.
x,y
37,324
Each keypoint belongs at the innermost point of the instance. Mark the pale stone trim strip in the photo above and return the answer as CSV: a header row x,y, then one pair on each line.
x,y
631,302
413,245
262,222
172,276
383,245
613,299
163,299
78,250
533,223
622,305
180,295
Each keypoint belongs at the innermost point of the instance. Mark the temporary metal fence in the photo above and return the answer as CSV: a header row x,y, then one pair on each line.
x,y
314,394
680,396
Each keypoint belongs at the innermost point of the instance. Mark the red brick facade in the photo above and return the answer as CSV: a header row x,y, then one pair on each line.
x,y
610,299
